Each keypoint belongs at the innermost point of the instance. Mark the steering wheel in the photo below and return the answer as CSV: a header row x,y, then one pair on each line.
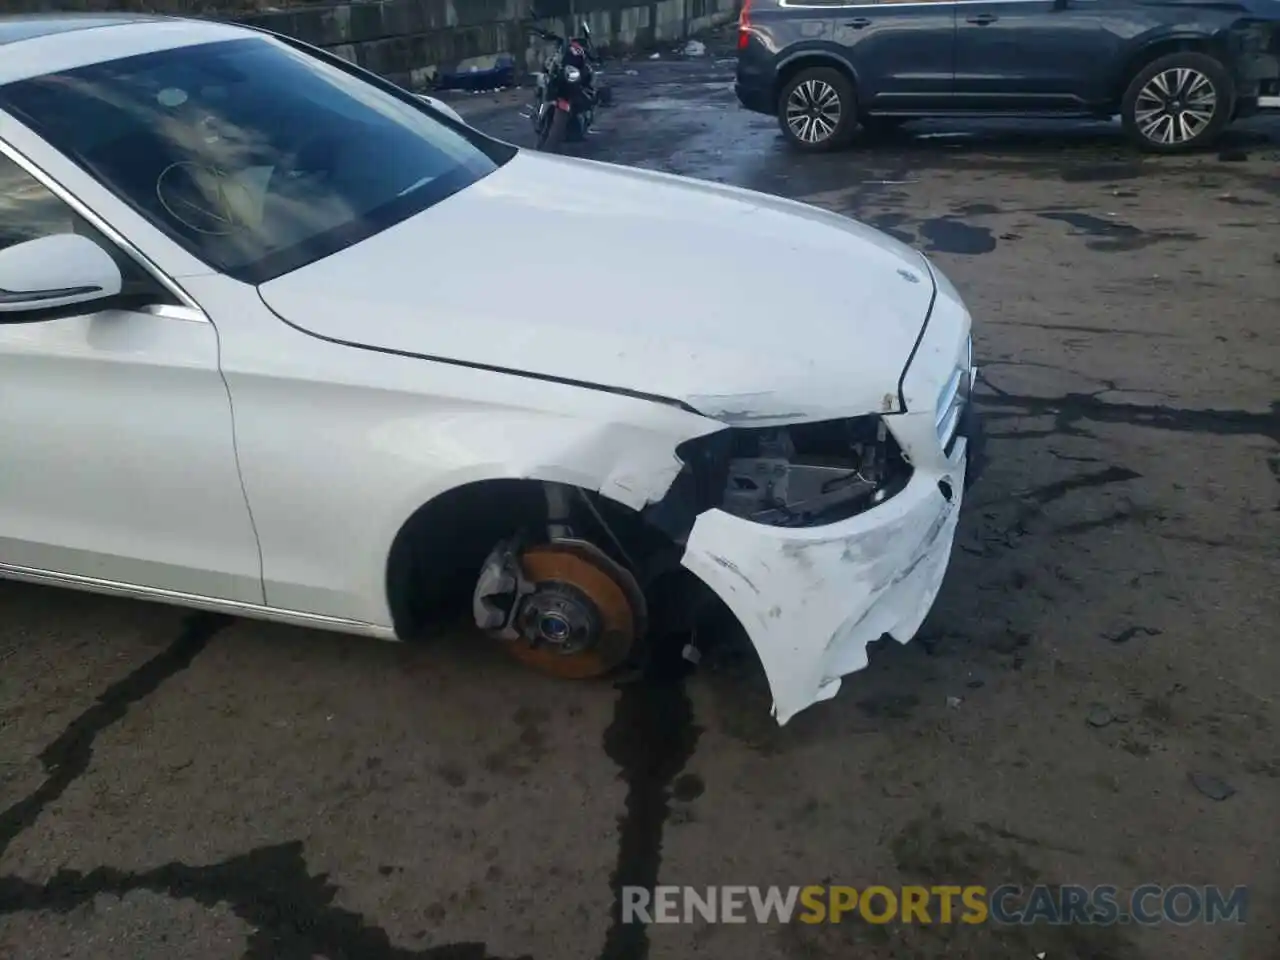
x,y
199,197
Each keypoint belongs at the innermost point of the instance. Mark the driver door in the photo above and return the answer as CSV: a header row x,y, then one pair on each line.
x,y
1037,55
118,467
903,51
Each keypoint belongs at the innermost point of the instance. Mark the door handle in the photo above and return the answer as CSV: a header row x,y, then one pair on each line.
x,y
858,23
982,19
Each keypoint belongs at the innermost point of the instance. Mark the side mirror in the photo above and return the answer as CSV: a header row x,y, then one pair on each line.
x,y
59,270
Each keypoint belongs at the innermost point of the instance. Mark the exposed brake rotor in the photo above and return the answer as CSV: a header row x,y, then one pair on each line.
x,y
564,608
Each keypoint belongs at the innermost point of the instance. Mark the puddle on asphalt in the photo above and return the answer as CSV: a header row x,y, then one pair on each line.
x,y
948,235
676,106
1113,235
652,736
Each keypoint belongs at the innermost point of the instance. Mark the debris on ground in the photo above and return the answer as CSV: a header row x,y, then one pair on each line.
x,y
695,48
1129,633
954,702
1211,787
1100,716
655,56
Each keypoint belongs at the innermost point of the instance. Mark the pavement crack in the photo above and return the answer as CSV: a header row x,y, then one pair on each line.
x,y
269,888
1058,489
291,911
1031,505
651,738
1071,408
1006,834
1062,456
1111,520
1081,328
1124,636
68,757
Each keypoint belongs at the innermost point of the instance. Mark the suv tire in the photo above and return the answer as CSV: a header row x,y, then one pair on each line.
x,y
1177,103
817,109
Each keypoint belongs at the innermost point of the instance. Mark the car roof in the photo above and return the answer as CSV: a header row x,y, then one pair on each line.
x,y
14,28
40,43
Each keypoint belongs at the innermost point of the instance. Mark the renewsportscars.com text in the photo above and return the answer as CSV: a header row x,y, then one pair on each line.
x,y
1064,904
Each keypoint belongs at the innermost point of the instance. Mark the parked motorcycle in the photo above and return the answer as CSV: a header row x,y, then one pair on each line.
x,y
569,88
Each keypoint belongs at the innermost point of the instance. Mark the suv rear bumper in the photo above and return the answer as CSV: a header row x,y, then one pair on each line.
x,y
755,79
754,99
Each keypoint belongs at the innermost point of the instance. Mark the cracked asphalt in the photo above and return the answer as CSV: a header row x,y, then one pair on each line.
x,y
1102,657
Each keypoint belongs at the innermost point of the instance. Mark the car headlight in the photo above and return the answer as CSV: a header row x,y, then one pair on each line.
x,y
800,475
954,397
572,74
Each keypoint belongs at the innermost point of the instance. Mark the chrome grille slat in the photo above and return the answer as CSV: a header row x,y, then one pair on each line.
x,y
952,398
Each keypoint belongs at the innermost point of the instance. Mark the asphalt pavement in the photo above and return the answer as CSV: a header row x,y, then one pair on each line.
x,y
1092,701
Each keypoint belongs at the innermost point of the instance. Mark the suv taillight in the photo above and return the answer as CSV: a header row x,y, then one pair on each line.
x,y
744,25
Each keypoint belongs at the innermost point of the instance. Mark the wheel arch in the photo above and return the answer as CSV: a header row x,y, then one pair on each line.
x,y
1154,48
806,57
446,538
439,547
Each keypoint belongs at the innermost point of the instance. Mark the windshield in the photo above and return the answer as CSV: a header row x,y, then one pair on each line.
x,y
255,157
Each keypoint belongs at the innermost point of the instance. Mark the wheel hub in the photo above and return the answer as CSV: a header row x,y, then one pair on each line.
x,y
561,617
572,611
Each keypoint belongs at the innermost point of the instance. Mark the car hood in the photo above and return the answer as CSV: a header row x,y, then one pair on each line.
x,y
743,306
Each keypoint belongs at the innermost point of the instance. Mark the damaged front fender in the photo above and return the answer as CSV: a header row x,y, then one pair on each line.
x,y
812,598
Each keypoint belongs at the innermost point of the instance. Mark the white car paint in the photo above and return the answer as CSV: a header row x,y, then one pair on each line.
x,y
388,433
119,461
651,242
214,455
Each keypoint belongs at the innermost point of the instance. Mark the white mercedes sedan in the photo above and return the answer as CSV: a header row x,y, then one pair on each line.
x,y
282,340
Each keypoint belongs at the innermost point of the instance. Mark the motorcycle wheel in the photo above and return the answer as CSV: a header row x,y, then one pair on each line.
x,y
552,135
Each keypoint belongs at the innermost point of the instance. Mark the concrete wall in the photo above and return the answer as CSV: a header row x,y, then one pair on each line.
x,y
404,40
410,40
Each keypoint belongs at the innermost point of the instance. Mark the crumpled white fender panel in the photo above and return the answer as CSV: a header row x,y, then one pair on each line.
x,y
811,599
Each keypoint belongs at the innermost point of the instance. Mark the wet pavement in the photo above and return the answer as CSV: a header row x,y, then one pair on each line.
x,y
1100,668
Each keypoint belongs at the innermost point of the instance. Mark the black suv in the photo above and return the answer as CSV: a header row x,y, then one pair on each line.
x,y
1176,71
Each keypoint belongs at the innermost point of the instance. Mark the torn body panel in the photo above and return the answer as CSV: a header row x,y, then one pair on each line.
x,y
811,595
812,598
818,535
